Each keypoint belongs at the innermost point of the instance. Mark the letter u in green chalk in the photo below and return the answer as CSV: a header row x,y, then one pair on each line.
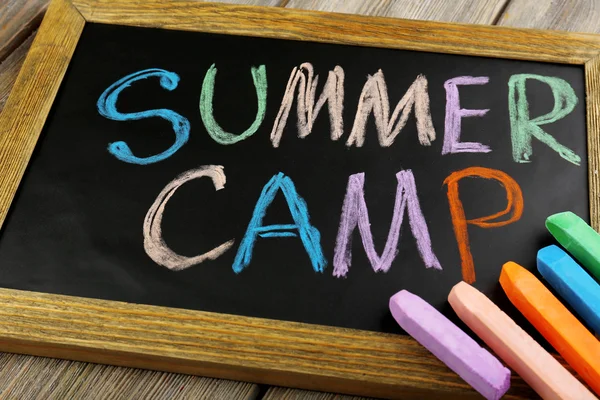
x,y
523,128
259,76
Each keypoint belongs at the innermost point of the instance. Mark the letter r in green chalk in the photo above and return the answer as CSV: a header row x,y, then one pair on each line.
x,y
524,128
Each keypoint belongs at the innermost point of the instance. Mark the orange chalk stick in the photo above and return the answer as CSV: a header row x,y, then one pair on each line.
x,y
560,328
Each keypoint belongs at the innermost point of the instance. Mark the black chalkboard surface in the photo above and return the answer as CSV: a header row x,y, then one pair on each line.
x,y
76,226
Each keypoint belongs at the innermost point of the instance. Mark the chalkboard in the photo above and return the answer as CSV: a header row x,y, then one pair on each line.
x,y
294,180
76,227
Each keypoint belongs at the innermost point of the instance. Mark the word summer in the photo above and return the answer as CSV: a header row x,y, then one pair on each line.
x,y
373,100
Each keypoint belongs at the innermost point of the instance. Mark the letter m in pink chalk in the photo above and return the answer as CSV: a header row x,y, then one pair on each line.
x,y
354,213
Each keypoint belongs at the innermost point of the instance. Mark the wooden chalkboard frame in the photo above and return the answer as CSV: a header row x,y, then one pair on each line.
x,y
236,347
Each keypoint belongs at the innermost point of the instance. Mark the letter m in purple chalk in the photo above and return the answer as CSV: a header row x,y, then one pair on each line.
x,y
355,213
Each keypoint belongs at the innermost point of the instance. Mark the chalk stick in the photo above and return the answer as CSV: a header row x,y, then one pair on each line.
x,y
573,284
558,326
575,235
513,345
450,344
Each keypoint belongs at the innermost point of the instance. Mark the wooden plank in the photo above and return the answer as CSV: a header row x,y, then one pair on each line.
x,y
565,15
275,22
18,19
25,377
10,67
464,11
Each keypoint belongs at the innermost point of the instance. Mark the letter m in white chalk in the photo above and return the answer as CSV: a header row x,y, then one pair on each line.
x,y
305,82
374,99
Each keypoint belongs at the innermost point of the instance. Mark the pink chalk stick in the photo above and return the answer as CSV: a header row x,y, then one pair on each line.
x,y
513,345
450,344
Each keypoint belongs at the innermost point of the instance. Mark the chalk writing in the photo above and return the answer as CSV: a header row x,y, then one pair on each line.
x,y
374,99
302,86
309,235
455,114
302,79
523,128
259,76
107,107
155,246
514,207
355,213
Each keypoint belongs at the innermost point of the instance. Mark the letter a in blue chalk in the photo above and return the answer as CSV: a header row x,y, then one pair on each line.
x,y
309,235
571,281
107,107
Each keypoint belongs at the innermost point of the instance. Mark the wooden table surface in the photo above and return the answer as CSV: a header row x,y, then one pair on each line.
x,y
26,377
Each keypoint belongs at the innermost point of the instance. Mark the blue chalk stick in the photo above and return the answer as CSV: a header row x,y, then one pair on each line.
x,y
572,282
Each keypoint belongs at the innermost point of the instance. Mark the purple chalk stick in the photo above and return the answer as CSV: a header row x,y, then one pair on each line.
x,y
450,344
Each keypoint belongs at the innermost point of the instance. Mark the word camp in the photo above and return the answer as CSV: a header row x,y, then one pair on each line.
x,y
302,88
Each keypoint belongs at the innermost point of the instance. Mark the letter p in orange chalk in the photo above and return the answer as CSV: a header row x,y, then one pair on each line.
x,y
514,209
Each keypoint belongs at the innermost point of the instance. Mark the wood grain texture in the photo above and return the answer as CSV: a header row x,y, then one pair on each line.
x,y
279,393
10,67
276,22
464,11
565,15
250,2
24,377
25,112
592,82
18,18
228,346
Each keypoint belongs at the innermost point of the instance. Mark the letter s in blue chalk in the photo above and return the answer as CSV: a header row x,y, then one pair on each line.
x,y
107,108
